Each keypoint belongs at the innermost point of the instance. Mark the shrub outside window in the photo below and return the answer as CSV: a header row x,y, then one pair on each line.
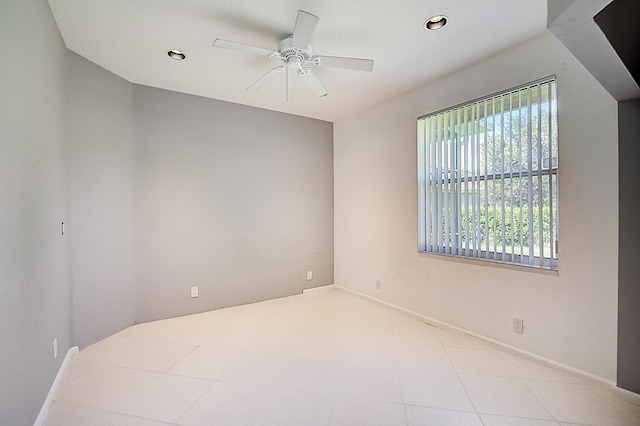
x,y
488,178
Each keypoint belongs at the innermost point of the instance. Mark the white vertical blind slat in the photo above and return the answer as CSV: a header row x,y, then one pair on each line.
x,y
520,174
488,174
530,178
432,186
486,181
501,159
540,168
462,119
493,181
423,197
551,138
446,174
511,203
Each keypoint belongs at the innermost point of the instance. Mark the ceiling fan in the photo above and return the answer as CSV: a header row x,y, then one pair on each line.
x,y
295,52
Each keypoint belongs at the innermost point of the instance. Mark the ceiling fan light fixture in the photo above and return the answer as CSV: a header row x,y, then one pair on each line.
x,y
176,54
436,22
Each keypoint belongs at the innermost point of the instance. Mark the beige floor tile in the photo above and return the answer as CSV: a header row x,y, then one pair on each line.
x,y
329,347
61,414
370,382
311,375
158,357
204,363
422,416
484,362
491,420
575,403
504,396
325,357
255,369
436,390
420,334
166,399
351,412
114,349
108,390
454,339
288,408
423,357
371,352
226,404
529,369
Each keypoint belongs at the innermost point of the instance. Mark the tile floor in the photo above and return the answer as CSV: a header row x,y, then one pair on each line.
x,y
323,358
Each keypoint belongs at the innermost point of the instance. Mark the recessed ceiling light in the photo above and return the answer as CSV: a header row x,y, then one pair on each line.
x,y
176,54
435,22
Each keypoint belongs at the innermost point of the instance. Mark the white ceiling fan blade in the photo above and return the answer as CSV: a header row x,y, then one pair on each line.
x,y
346,63
227,44
313,83
305,26
259,83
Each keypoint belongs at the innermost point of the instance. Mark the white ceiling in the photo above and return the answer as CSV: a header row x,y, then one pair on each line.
x,y
130,38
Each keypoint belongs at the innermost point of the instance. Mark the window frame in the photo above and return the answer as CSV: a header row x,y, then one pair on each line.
x,y
432,180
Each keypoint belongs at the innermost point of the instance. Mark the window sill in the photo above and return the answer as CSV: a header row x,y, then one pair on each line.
x,y
490,263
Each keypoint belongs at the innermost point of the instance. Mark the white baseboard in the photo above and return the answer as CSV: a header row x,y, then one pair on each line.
x,y
628,396
433,321
309,290
47,402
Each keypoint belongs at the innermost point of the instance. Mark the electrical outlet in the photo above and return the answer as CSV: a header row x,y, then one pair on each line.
x,y
194,291
55,348
378,285
309,275
518,325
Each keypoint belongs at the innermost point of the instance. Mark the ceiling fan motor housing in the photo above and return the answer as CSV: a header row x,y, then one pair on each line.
x,y
288,50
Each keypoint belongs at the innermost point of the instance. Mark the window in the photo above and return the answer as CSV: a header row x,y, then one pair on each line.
x,y
488,178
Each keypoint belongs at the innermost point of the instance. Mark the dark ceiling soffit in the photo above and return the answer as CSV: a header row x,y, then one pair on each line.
x,y
572,23
619,23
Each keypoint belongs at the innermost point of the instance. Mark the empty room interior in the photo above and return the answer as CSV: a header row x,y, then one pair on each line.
x,y
320,213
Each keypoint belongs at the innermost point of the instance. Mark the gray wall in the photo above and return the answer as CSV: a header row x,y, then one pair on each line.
x,y
234,199
34,256
173,192
629,250
99,153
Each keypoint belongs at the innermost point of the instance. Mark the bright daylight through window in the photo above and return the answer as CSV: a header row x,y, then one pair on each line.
x,y
488,178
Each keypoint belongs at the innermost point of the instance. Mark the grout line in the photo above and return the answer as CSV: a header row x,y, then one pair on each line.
x,y
463,385
102,410
536,398
349,324
540,359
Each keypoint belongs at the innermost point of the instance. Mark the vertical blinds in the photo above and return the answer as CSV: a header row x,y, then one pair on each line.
x,y
488,178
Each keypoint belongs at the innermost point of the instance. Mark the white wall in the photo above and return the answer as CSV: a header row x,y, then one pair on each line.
x,y
34,256
569,317
234,199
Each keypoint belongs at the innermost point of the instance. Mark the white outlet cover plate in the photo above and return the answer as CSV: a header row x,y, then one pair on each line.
x,y
309,275
194,291
518,325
